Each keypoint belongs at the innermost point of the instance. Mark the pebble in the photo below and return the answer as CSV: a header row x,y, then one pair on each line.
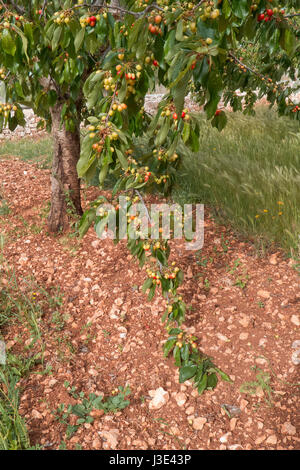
x,y
243,404
110,437
222,337
264,294
259,440
244,336
232,424
199,423
224,438
288,428
272,440
180,398
160,398
296,320
36,414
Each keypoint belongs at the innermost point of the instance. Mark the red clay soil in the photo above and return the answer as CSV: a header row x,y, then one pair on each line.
x,y
244,310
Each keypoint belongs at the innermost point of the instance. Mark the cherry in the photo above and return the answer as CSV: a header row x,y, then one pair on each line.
x,y
175,116
183,114
218,112
260,17
155,63
269,12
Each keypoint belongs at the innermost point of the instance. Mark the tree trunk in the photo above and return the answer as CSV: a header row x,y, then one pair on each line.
x,y
65,184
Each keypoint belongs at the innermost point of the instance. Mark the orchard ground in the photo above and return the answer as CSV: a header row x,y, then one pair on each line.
x,y
96,331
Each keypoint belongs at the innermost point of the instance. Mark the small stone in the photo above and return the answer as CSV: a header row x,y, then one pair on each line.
x,y
235,447
288,428
273,259
199,423
222,337
295,319
97,413
296,357
261,361
36,414
180,398
260,439
272,440
160,398
189,273
244,321
214,290
190,410
111,438
224,438
244,336
232,424
264,294
243,404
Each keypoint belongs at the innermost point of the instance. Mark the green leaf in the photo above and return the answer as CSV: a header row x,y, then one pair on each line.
x,y
187,372
223,376
202,384
56,37
163,132
177,356
212,380
79,39
122,159
186,132
101,226
288,41
219,121
240,8
7,43
147,284
151,292
86,221
168,346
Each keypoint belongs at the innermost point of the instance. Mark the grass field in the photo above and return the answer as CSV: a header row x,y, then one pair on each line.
x,y
250,174
38,149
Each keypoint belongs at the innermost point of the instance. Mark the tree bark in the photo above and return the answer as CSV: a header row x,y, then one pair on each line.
x,y
65,184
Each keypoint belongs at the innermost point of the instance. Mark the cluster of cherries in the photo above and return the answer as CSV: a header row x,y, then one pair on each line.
x,y
266,16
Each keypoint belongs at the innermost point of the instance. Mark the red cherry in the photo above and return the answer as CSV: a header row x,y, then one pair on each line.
x,y
270,12
93,18
193,66
218,112
155,63
17,18
260,17
40,12
183,114
267,18
175,116
92,23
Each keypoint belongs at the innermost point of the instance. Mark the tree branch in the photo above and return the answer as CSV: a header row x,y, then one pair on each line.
x,y
18,9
